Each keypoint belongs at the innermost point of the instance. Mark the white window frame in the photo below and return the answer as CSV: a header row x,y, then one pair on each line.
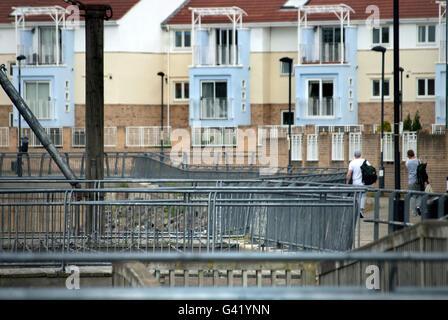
x,y
34,141
354,143
321,81
110,136
381,42
227,136
381,88
296,147
426,42
182,46
50,106
183,95
4,137
148,136
312,147
388,147
426,95
337,147
78,131
409,141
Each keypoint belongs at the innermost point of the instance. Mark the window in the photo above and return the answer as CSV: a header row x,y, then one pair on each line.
x,y
37,96
4,137
320,98
331,44
79,137
388,148
296,147
380,35
147,136
47,45
214,137
182,39
354,143
285,118
284,68
376,88
214,102
224,47
312,148
181,90
409,142
337,147
425,87
426,34
55,135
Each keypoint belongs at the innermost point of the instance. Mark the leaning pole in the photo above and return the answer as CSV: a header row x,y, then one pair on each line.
x,y
37,128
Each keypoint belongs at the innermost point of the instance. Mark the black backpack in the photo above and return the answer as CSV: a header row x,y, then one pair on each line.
x,y
422,176
368,174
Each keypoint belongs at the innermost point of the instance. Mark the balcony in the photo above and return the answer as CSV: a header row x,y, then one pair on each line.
x,y
327,53
214,108
217,56
45,55
326,107
42,110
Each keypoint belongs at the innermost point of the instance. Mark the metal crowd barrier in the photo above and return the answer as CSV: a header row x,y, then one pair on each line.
x,y
229,216
362,290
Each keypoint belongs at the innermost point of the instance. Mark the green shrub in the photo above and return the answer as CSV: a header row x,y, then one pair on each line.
x,y
416,126
407,123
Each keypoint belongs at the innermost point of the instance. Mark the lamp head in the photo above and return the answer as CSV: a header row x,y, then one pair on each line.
x,y
21,57
401,69
286,60
161,74
379,49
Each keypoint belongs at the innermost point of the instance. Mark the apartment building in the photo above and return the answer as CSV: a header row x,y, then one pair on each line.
x,y
223,74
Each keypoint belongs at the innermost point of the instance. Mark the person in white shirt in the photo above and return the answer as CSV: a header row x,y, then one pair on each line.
x,y
354,173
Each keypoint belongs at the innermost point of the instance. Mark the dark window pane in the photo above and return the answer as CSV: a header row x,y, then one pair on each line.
x,y
178,39
221,89
327,89
421,87
186,90
421,33
432,34
314,89
178,90
375,35
187,39
386,88
376,88
385,35
285,120
431,87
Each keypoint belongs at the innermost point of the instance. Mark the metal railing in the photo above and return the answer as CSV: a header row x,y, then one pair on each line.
x,y
231,216
215,108
220,55
323,53
293,286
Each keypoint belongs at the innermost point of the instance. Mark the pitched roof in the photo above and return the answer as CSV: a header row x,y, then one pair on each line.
x,y
270,10
119,7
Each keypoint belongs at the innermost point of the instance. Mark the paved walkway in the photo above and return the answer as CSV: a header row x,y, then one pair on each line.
x,y
366,235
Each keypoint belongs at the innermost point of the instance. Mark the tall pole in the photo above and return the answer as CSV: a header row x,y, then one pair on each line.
x,y
161,74
289,117
446,67
401,94
19,137
381,181
396,93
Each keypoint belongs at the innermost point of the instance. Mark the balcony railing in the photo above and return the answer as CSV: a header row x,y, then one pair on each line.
x,y
440,108
214,108
323,53
42,110
216,56
45,55
325,107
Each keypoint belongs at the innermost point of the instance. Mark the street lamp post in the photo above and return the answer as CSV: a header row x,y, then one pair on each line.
x,y
401,93
162,75
289,62
19,157
381,171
